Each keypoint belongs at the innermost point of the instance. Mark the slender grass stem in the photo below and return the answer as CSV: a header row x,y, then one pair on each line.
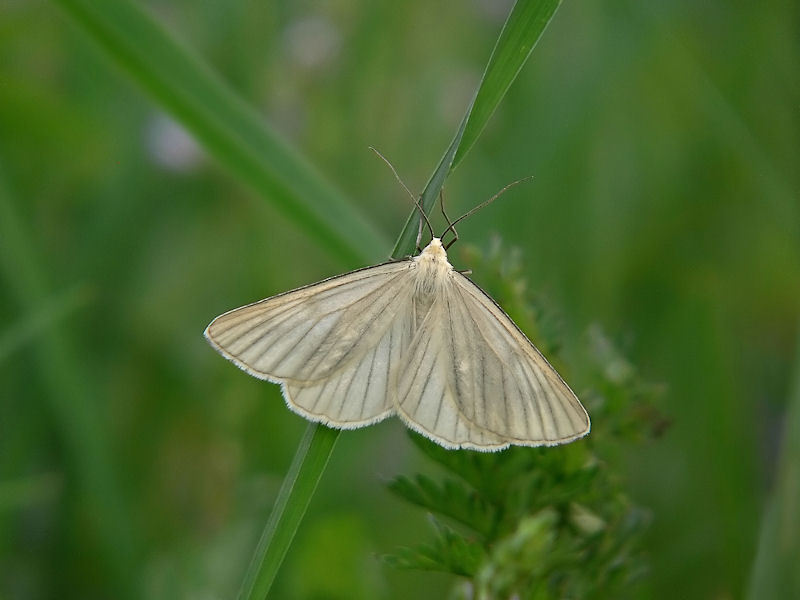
x,y
309,462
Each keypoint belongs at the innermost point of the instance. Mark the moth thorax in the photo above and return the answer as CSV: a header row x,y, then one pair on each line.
x,y
428,282
432,268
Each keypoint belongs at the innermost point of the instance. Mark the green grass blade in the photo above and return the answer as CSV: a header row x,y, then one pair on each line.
x,y
407,241
182,84
775,573
523,28
298,486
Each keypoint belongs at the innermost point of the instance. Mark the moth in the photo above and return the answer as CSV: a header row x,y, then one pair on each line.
x,y
414,338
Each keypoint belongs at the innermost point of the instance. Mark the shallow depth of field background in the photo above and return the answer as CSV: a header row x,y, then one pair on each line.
x,y
663,141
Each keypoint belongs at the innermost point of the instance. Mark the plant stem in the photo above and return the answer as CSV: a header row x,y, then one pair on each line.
x,y
296,491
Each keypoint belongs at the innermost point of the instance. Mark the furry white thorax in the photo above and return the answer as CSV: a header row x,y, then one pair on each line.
x,y
433,267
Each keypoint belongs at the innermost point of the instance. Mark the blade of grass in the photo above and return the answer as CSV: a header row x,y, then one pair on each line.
x,y
520,33
522,30
525,25
298,486
408,236
775,573
182,84
74,408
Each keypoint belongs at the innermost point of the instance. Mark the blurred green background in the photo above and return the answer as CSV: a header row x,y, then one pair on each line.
x,y
663,139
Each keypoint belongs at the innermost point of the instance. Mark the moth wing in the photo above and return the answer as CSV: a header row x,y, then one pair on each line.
x,y
361,392
426,401
332,345
499,380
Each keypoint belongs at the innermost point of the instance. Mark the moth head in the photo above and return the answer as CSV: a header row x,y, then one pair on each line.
x,y
434,251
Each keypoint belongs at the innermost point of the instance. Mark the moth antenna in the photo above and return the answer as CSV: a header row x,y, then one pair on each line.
x,y
412,196
449,222
483,204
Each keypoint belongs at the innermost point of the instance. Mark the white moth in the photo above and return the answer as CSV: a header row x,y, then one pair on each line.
x,y
411,337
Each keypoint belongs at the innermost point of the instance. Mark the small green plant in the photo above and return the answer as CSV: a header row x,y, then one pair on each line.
x,y
539,523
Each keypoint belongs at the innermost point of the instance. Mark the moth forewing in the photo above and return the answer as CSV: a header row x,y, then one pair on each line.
x,y
425,397
534,405
359,392
307,333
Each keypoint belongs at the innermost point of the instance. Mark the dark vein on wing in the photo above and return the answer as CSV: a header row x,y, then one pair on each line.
x,y
369,382
470,422
416,371
483,387
378,315
289,311
273,326
547,393
347,389
454,359
424,389
388,361
384,290
536,402
289,351
321,390
558,406
505,401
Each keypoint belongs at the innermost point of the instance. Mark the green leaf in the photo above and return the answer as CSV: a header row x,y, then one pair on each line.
x,y
450,553
452,499
231,131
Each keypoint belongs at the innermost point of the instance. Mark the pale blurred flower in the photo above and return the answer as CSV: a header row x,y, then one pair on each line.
x,y
170,146
494,10
312,42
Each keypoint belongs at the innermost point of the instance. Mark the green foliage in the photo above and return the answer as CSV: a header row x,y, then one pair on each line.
x,y
450,552
540,523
